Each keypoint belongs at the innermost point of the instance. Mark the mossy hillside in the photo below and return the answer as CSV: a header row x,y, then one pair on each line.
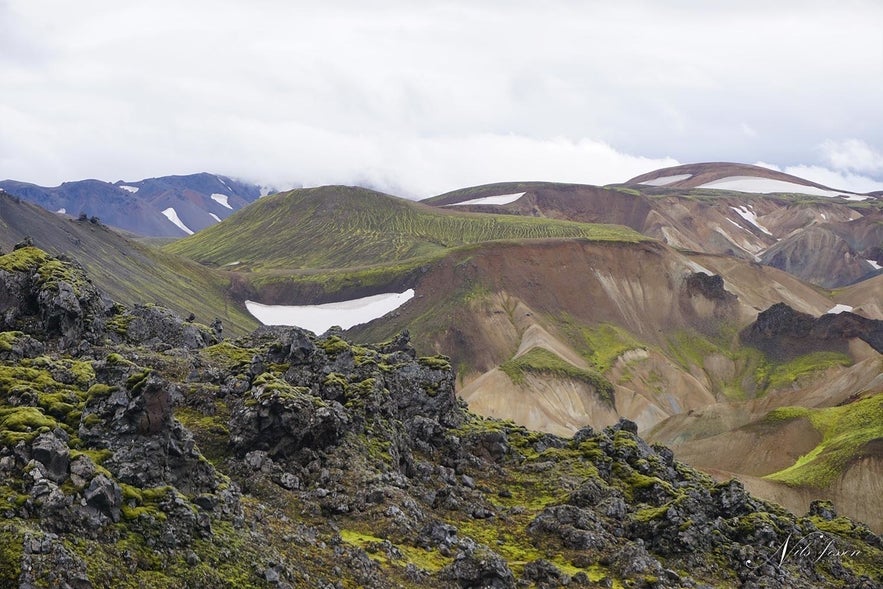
x,y
605,343
542,361
771,376
334,227
845,430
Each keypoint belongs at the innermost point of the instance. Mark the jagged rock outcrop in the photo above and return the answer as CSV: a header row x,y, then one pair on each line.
x,y
783,332
43,294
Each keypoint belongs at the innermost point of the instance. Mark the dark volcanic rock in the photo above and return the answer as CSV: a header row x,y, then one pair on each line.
x,y
783,332
709,286
47,298
481,568
152,325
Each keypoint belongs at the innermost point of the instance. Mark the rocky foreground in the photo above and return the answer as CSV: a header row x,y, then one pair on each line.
x,y
141,450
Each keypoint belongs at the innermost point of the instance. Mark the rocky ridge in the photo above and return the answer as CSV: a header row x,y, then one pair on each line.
x,y
137,448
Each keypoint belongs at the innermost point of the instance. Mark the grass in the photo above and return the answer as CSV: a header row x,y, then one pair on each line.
x,y
605,343
542,361
845,430
776,376
339,227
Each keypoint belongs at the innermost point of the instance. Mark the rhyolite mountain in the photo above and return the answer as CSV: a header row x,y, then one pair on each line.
x,y
139,449
824,236
168,206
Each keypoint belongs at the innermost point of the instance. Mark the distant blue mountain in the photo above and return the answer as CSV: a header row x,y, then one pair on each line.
x,y
169,206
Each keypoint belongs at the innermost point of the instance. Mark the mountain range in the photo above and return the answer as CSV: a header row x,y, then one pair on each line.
x,y
169,206
732,312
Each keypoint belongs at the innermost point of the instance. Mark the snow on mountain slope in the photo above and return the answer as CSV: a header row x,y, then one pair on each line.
x,y
319,318
222,200
172,216
768,186
665,180
502,199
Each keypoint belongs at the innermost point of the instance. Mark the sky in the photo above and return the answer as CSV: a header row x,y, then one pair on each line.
x,y
418,98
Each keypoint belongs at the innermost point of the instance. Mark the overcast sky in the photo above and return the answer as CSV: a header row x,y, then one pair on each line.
x,y
417,98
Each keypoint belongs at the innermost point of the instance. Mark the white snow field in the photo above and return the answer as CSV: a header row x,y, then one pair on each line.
x,y
502,199
664,180
874,264
172,216
221,199
768,185
318,318
839,309
748,214
215,217
132,189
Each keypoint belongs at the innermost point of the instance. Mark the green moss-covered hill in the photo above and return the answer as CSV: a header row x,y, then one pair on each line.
x,y
137,449
343,227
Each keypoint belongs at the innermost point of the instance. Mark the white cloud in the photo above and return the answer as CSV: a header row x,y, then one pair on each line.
x,y
853,155
836,179
426,96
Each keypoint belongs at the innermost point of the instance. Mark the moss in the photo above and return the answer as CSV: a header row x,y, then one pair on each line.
x,y
7,339
119,323
136,382
775,376
22,259
99,390
23,423
424,559
229,355
334,345
542,361
115,359
845,430
651,513
211,431
605,343
11,552
435,362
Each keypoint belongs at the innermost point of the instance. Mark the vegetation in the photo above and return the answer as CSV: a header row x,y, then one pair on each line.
x,y
542,361
845,430
775,376
337,227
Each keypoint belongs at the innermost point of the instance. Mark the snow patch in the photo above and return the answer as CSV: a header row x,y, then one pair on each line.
x,y
215,217
502,199
61,211
221,199
747,213
871,262
768,185
132,189
664,180
236,263
318,318
221,180
172,216
838,309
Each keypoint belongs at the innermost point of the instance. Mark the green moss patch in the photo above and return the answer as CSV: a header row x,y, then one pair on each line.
x,y
776,376
542,361
845,430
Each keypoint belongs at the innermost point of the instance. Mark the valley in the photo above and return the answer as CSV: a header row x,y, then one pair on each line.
x,y
562,306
